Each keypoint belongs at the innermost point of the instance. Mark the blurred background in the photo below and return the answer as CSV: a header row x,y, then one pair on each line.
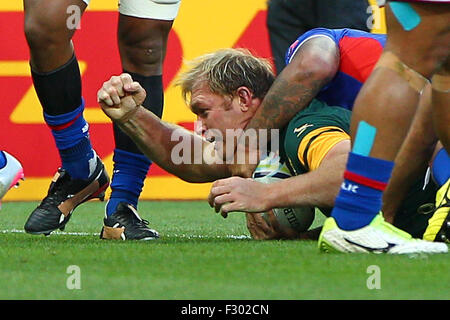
x,y
202,26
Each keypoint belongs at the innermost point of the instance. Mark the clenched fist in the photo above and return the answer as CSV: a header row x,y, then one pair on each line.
x,y
120,97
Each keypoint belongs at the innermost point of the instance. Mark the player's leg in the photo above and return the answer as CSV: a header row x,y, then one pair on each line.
x,y
56,78
410,187
412,159
439,225
11,172
386,117
48,33
142,35
380,122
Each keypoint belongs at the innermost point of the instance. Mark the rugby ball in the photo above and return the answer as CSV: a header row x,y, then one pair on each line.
x,y
270,170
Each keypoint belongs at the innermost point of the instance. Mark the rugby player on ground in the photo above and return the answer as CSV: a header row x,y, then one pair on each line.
x,y
225,90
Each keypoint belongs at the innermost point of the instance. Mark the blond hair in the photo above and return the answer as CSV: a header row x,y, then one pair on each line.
x,y
225,71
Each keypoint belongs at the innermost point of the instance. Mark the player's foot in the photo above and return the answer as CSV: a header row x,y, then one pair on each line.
x,y
10,174
126,224
377,237
64,195
439,224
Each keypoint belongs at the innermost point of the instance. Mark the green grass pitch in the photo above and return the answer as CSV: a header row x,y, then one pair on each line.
x,y
201,256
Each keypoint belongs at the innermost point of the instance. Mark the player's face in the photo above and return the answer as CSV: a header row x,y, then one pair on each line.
x,y
218,116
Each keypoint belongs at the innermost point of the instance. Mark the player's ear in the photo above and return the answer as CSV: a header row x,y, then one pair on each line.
x,y
245,96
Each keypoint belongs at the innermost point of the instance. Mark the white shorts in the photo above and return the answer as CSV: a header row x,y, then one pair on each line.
x,y
149,9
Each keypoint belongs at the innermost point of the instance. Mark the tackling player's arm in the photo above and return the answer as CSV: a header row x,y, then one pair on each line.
x,y
121,99
314,64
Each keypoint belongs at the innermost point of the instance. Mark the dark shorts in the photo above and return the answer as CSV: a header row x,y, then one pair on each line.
x,y
417,208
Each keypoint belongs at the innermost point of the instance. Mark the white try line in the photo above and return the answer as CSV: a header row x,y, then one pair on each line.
x,y
54,232
199,236
187,236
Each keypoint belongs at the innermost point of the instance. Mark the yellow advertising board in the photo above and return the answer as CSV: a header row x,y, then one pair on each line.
x,y
201,26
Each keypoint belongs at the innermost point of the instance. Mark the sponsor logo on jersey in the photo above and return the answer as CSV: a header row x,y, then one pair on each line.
x,y
302,129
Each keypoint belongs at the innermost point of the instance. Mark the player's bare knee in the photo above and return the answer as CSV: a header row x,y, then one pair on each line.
x,y
147,55
151,52
142,43
42,34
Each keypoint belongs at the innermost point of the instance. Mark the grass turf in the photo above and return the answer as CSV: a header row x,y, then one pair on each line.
x,y
200,256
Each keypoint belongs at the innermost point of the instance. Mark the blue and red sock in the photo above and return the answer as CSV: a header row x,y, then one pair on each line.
x,y
71,133
59,92
360,196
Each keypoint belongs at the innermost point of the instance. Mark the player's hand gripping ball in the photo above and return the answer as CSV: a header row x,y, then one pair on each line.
x,y
270,170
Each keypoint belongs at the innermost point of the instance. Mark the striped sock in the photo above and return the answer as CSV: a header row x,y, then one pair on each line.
x,y
71,133
360,196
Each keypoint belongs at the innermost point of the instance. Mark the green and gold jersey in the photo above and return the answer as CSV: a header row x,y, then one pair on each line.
x,y
311,134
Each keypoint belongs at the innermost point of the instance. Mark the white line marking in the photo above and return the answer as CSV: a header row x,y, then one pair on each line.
x,y
192,236
54,232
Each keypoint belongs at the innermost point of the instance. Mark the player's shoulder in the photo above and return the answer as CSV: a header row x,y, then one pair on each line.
x,y
335,35
311,34
312,132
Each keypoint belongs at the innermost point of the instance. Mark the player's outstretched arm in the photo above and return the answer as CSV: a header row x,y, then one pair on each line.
x,y
121,99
